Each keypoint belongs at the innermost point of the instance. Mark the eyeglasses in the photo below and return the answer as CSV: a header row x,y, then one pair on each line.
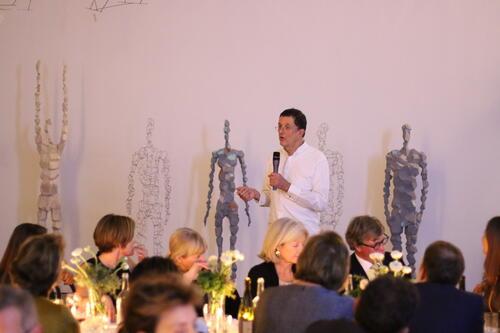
x,y
381,242
285,128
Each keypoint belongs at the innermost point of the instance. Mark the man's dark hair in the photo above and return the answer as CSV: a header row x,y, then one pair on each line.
x,y
299,118
324,260
443,263
387,305
360,227
155,265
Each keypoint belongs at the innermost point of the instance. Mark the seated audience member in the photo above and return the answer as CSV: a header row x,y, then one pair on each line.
x,y
442,307
489,288
113,237
36,269
153,265
160,304
187,250
386,306
284,241
19,235
365,235
321,270
17,311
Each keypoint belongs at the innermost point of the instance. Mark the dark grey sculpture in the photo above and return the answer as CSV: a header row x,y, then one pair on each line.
x,y
404,166
227,160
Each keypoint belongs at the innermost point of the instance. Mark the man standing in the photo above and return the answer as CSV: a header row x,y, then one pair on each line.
x,y
299,190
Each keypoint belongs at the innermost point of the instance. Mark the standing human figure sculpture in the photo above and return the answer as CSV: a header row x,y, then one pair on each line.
x,y
227,159
404,166
50,157
153,168
330,217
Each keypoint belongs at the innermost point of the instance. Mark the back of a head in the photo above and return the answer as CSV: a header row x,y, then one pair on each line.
x,y
387,305
443,263
492,260
151,297
155,265
22,232
113,231
22,301
185,242
360,227
44,251
324,261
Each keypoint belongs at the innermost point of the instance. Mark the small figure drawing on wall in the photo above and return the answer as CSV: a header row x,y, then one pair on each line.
x,y
403,167
15,4
152,168
101,5
227,159
331,215
50,157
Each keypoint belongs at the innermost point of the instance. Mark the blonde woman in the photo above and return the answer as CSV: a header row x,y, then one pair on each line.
x,y
187,250
283,243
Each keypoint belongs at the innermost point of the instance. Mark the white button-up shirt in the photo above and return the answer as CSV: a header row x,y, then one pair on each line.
x,y
308,173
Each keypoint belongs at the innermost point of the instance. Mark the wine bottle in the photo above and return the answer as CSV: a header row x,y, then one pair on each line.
x,y
121,298
245,313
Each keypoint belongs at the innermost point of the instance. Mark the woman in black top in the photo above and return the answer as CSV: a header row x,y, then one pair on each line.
x,y
283,243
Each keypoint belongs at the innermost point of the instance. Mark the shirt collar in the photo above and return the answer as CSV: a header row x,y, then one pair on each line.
x,y
300,150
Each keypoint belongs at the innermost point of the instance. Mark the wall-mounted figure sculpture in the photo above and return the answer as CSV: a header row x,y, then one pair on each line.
x,y
101,5
403,167
227,159
152,168
50,157
331,215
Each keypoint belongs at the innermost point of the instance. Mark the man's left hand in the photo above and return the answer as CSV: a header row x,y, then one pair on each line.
x,y
277,180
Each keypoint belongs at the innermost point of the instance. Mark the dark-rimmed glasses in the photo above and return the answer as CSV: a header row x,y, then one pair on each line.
x,y
381,242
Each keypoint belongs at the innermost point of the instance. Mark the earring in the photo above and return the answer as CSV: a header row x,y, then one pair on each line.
x,y
277,253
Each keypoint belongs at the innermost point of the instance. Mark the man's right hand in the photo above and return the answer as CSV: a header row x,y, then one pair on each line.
x,y
247,193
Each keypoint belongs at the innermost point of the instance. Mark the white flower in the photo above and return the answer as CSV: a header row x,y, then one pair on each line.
x,y
238,255
377,256
226,258
396,266
212,260
363,283
407,270
74,261
383,270
396,255
87,249
77,252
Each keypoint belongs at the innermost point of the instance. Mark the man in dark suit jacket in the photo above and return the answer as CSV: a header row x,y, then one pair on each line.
x,y
365,235
443,308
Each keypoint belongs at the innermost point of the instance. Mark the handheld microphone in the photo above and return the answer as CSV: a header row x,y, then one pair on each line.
x,y
276,163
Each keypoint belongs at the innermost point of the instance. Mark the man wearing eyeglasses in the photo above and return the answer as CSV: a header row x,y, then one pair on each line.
x,y
365,235
302,182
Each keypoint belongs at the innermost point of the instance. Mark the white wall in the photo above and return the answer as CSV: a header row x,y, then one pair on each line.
x,y
364,67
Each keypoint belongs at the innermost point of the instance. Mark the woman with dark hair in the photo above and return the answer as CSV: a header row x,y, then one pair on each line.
x,y
36,268
322,268
22,232
489,288
160,303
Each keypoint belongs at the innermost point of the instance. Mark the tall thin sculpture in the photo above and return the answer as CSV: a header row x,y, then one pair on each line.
x,y
227,159
331,215
50,157
153,168
404,166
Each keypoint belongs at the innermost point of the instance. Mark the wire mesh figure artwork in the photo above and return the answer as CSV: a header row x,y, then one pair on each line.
x,y
101,5
50,157
227,159
152,168
330,217
403,167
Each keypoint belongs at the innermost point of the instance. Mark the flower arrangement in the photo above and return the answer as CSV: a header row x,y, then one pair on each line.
x,y
216,281
95,277
396,268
